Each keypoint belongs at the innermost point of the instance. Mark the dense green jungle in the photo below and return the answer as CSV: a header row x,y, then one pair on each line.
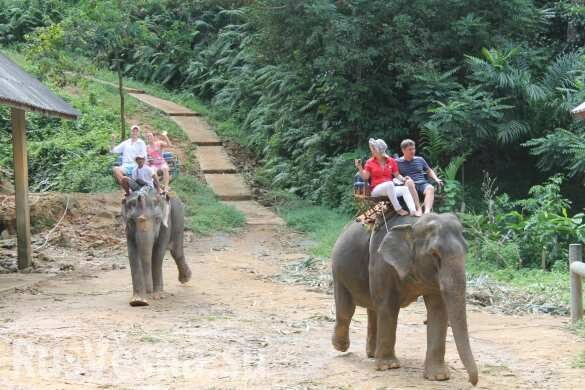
x,y
485,88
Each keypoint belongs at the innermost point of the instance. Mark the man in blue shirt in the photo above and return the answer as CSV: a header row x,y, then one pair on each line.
x,y
416,167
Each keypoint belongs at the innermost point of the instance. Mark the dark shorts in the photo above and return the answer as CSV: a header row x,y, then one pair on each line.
x,y
422,187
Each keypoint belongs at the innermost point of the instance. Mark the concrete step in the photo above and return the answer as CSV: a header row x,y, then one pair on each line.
x,y
197,130
214,159
229,186
256,214
165,106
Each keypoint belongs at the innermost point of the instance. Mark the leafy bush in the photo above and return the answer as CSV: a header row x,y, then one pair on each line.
x,y
535,231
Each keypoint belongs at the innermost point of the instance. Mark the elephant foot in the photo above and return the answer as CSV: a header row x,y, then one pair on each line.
x,y
185,275
436,372
371,349
138,301
387,364
340,342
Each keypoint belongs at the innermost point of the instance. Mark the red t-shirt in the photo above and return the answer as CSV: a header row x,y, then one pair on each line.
x,y
381,173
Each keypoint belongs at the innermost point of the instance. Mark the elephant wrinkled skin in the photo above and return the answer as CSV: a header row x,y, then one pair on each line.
x,y
148,240
390,269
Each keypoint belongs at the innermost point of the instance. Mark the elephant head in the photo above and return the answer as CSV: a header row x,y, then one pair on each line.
x,y
433,250
143,212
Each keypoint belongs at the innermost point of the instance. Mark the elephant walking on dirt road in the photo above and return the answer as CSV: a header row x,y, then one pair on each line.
x,y
389,269
153,225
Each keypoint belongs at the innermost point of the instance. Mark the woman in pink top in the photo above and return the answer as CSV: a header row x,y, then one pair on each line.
x,y
154,148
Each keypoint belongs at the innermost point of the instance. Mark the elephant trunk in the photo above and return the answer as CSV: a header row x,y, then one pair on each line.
x,y
453,292
145,243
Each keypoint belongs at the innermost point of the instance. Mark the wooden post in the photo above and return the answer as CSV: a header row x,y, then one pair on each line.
x,y
21,188
575,254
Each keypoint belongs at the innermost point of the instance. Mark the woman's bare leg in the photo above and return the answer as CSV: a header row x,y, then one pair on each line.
x,y
166,176
412,189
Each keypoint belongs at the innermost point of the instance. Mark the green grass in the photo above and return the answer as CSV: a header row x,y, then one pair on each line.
x,y
204,212
579,329
579,361
322,225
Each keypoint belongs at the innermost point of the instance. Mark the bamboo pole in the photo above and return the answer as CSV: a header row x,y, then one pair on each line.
x,y
21,188
575,256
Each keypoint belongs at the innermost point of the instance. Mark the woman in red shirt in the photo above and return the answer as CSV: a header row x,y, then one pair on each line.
x,y
381,169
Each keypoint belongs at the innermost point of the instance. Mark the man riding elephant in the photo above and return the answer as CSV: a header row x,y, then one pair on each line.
x,y
416,168
129,149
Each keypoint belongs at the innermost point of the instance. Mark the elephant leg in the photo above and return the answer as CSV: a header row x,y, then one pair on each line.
x,y
138,283
177,237
372,333
437,320
387,316
147,271
158,254
344,309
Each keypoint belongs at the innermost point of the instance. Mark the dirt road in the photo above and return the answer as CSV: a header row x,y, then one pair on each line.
x,y
236,326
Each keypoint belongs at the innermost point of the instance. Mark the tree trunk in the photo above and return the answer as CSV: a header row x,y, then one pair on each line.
x,y
122,105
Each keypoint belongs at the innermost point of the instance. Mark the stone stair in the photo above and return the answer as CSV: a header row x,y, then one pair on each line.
x,y
214,160
197,130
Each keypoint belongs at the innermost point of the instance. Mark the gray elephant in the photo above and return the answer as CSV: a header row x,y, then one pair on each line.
x,y
390,269
152,226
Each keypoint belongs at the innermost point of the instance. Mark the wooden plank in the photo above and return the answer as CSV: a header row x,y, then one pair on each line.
x,y
21,188
576,257
578,267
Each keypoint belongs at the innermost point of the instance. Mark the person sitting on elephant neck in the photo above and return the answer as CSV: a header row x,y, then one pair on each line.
x,y
142,178
417,168
380,169
129,149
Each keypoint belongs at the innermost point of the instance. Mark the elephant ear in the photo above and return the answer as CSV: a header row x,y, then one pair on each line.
x,y
397,249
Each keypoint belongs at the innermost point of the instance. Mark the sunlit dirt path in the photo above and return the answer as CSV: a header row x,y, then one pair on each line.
x,y
235,326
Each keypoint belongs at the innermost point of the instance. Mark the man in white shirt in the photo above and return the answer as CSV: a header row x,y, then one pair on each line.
x,y
129,149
